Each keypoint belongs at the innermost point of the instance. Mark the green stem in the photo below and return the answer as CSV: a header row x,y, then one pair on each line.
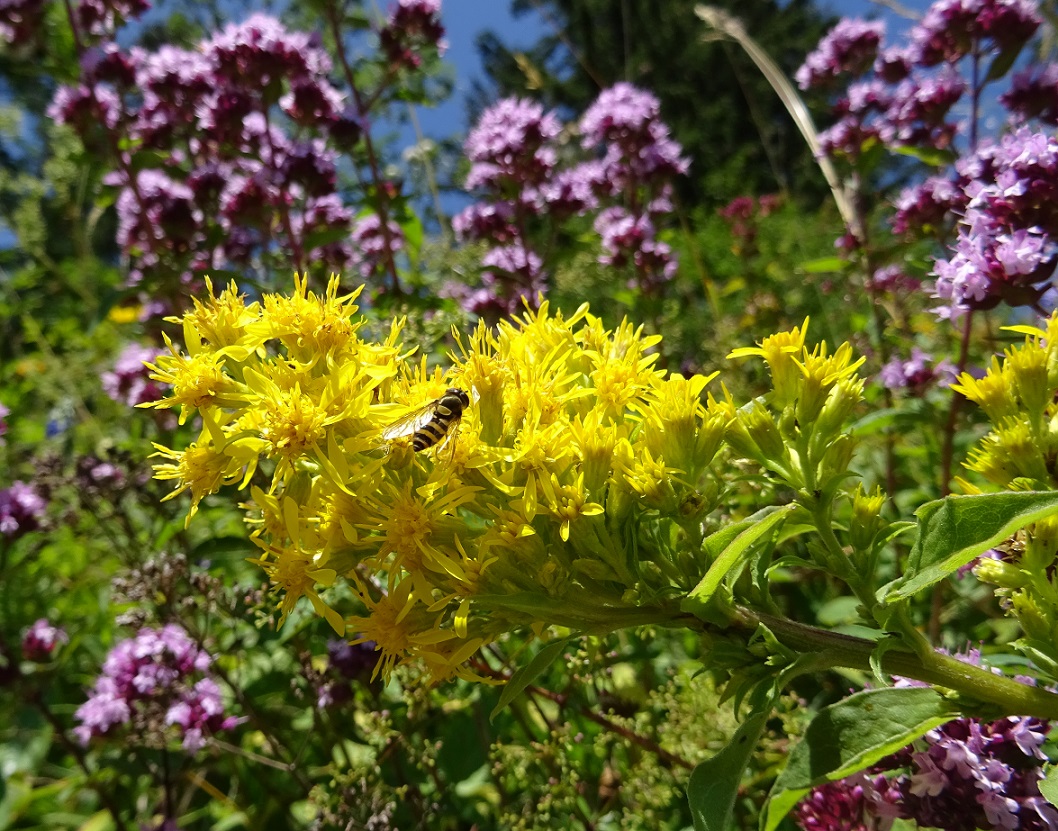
x,y
1011,697
837,558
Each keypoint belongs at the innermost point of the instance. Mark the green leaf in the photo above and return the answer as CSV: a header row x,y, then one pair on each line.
x,y
529,673
838,611
875,422
413,232
732,552
824,265
1002,62
851,735
954,530
714,783
324,236
1049,784
223,548
148,160
927,155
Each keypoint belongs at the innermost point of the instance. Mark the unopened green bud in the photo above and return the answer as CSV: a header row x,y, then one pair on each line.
x,y
837,458
742,442
693,505
840,404
727,652
299,487
689,565
761,426
620,501
1028,365
1036,622
651,574
1045,536
866,517
1000,573
552,576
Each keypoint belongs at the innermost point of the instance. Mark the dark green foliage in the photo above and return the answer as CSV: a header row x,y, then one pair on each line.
x,y
729,121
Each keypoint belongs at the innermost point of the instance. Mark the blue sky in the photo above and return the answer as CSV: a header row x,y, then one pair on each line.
x,y
465,19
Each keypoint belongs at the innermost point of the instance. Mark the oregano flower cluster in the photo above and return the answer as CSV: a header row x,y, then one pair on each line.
x,y
230,150
530,182
155,683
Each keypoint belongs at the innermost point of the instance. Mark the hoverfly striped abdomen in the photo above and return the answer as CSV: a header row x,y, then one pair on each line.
x,y
432,424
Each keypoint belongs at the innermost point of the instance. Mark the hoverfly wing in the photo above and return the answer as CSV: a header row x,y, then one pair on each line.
x,y
413,421
449,440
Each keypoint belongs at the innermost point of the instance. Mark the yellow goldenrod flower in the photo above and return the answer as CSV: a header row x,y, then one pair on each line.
x,y
675,426
821,373
198,468
198,381
295,573
225,321
1009,452
1027,367
561,495
571,503
398,624
779,351
487,374
310,326
594,440
651,479
994,393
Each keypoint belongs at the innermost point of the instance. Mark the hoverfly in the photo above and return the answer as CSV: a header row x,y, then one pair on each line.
x,y
432,423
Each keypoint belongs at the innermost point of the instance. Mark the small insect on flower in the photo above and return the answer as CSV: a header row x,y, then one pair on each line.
x,y
436,421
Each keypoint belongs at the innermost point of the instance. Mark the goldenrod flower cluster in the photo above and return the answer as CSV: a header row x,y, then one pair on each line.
x,y
572,492
1019,394
797,431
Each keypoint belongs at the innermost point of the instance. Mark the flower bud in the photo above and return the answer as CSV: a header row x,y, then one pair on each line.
x,y
1034,619
866,517
1028,365
764,432
836,459
41,640
1000,573
839,406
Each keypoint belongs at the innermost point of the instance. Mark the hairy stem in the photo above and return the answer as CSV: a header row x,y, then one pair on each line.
x,y
1011,697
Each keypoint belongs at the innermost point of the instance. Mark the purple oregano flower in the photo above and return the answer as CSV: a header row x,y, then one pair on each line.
x,y
129,381
1005,251
850,47
41,640
157,680
21,508
966,774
